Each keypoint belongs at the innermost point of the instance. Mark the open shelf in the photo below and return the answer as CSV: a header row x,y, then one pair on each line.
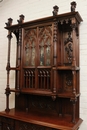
x,y
67,95
68,68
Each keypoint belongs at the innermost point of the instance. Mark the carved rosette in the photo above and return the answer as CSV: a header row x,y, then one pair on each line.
x,y
68,82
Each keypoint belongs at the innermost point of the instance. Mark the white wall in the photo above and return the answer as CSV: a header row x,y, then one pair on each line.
x,y
34,9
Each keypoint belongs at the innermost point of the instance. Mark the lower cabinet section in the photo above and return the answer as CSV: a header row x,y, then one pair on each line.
x,y
20,120
13,124
10,124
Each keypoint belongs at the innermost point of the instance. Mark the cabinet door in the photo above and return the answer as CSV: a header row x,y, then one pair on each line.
x,y
37,57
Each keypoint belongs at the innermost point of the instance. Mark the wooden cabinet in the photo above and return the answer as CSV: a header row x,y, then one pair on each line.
x,y
47,91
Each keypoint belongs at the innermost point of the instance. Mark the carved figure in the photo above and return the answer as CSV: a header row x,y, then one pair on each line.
x,y
55,11
73,6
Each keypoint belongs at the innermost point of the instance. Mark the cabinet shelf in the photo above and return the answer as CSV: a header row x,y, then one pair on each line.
x,y
45,93
37,92
33,91
68,68
67,95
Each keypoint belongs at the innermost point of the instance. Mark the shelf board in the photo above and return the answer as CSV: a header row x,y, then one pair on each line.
x,y
14,90
37,92
44,93
67,95
43,67
43,119
68,68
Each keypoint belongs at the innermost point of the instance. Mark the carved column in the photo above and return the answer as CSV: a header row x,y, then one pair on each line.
x,y
19,58
55,55
73,25
74,100
74,82
19,42
8,64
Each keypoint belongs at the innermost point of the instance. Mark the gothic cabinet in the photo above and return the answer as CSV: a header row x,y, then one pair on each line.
x,y
47,92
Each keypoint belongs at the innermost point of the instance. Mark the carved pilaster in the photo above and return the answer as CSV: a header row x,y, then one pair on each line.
x,y
73,26
74,100
74,82
55,43
19,57
55,56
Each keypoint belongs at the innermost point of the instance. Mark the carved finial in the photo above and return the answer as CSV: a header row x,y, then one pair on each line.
x,y
21,19
73,6
9,22
55,11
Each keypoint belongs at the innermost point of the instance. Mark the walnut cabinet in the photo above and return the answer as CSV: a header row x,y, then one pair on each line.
x,y
47,83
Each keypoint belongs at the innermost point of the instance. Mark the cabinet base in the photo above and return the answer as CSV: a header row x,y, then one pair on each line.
x,y
17,120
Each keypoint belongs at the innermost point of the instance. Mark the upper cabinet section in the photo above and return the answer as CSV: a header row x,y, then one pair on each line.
x,y
38,46
51,41
47,54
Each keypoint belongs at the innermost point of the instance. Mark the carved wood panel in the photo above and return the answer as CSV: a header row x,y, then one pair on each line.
x,y
44,79
43,103
66,81
68,49
28,126
7,127
29,78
